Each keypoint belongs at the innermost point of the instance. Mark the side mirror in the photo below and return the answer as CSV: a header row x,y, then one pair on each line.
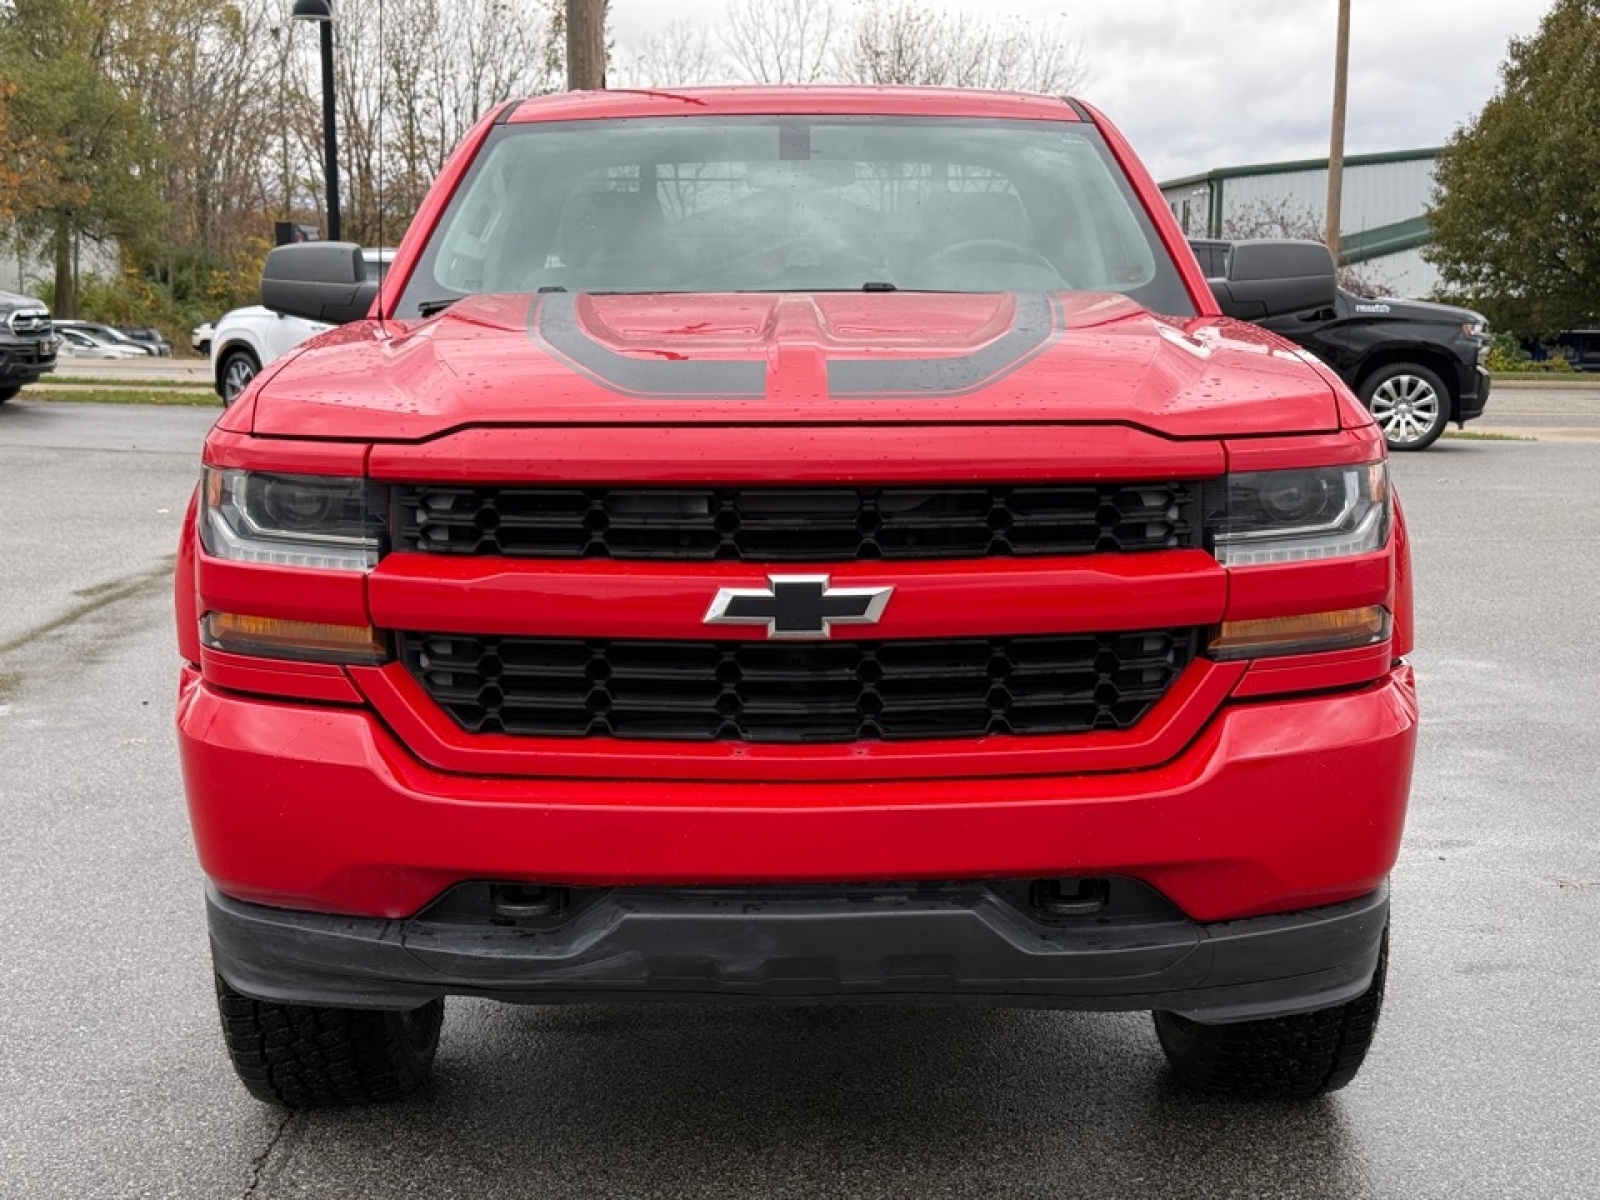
x,y
320,281
1275,278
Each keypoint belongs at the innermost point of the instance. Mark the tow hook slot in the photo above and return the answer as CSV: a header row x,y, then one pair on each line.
x,y
1056,898
517,902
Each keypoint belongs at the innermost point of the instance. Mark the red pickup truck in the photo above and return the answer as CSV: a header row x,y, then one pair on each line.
x,y
795,545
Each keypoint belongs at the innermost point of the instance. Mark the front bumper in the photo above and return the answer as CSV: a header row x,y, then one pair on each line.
x,y
923,943
1274,805
23,361
1473,394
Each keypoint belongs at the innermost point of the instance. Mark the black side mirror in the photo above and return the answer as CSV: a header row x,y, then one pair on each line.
x,y
1274,278
320,281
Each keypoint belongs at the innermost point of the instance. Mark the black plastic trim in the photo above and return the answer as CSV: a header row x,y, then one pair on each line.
x,y
553,325
1078,110
947,943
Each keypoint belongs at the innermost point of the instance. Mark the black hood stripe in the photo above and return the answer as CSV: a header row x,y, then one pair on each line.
x,y
553,326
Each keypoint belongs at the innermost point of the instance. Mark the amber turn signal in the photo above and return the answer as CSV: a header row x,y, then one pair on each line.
x,y
1312,633
312,641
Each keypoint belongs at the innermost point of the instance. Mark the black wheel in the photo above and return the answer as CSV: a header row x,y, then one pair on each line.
x,y
1291,1058
1410,404
9,391
238,368
302,1057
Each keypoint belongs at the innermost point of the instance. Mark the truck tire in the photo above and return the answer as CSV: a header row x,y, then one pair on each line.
x,y
238,368
1287,1058
304,1057
7,392
1410,404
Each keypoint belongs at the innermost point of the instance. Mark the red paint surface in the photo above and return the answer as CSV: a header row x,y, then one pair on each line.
x,y
1275,806
1110,363
350,791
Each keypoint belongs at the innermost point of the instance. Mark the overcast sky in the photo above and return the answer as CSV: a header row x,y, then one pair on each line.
x,y
1198,84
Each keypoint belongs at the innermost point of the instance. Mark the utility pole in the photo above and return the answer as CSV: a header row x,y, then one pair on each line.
x,y
1341,79
586,45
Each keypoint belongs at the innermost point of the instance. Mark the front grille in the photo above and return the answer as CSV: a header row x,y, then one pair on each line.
x,y
818,692
782,525
30,324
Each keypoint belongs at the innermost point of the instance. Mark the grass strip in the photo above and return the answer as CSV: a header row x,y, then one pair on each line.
x,y
1478,435
93,395
74,381
1555,379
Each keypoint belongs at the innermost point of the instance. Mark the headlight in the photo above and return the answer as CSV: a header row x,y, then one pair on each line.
x,y
328,522
1475,329
1302,515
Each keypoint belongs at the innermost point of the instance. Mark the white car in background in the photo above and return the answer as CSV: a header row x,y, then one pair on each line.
x,y
247,339
80,343
108,333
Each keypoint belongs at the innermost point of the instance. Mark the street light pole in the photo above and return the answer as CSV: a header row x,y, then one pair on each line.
x,y
321,11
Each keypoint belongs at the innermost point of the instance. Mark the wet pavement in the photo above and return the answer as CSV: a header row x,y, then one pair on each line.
x,y
1484,1081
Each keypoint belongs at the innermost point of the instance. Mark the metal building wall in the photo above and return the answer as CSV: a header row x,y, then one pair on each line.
x,y
1374,195
1377,195
1403,274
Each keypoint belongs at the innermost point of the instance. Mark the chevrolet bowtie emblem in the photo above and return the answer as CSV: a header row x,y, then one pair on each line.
x,y
798,606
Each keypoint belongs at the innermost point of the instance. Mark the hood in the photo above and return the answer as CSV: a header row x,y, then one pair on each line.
x,y
800,358
17,301
1414,310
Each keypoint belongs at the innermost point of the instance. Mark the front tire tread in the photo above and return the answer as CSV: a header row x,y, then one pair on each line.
x,y
1294,1058
299,1056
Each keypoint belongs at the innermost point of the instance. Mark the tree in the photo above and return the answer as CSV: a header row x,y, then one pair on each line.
x,y
679,54
781,41
873,41
95,180
586,44
1516,214
20,167
1284,219
210,77
902,42
404,105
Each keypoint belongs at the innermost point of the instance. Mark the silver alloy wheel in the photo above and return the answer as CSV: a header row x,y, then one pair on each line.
x,y
241,369
1406,408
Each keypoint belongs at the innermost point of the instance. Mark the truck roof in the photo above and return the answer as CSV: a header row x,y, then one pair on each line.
x,y
831,100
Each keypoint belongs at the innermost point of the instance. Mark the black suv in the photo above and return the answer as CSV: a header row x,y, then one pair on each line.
x,y
1416,366
27,343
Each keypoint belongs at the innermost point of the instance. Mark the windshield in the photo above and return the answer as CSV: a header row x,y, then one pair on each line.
x,y
794,204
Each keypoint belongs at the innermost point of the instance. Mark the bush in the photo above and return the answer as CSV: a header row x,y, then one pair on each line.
x,y
196,291
1506,354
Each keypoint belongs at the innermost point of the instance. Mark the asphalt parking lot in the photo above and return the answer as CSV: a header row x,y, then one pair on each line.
x,y
1484,1082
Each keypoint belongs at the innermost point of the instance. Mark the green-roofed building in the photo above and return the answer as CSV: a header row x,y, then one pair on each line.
x,y
1383,228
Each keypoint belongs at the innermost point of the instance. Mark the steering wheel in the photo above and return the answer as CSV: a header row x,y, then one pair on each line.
x,y
790,254
988,250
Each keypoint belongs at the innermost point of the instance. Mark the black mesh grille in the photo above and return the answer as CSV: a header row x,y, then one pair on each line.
x,y
796,524
817,692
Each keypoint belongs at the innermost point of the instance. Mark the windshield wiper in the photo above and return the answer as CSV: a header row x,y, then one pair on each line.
x,y
432,308
871,285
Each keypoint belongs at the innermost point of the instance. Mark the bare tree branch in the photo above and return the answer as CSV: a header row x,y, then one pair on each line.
x,y
900,42
680,54
781,41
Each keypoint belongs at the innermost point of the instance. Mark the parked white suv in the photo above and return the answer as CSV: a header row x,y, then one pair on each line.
x,y
247,339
